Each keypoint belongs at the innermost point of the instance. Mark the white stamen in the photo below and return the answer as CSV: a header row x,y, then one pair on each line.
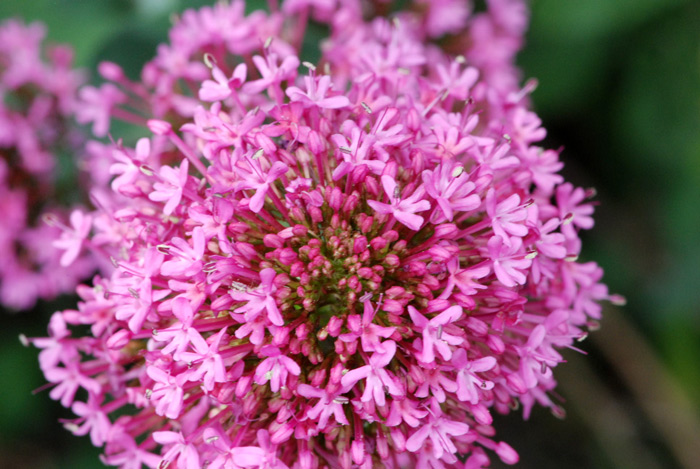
x,y
147,170
71,427
50,219
618,300
209,60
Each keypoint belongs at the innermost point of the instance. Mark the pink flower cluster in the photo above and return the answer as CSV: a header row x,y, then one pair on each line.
x,y
334,265
37,102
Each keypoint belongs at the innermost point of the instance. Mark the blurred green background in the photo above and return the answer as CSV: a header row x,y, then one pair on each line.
x,y
619,90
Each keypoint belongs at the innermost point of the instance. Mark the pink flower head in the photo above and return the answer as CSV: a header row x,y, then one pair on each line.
x,y
44,254
353,268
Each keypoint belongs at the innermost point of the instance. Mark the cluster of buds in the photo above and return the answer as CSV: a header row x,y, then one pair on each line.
x,y
343,264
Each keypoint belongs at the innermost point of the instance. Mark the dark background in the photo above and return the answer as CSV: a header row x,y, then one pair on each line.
x,y
619,90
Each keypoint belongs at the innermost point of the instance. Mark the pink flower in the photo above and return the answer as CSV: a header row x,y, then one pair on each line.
x,y
327,406
127,167
209,364
377,379
572,209
171,188
95,421
275,369
468,382
179,450
221,87
355,153
256,178
272,74
438,431
186,260
368,332
72,240
167,393
97,105
260,299
449,185
404,210
509,262
316,90
506,216
434,335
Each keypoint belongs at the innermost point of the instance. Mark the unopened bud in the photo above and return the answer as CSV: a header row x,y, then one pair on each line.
x,y
159,127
